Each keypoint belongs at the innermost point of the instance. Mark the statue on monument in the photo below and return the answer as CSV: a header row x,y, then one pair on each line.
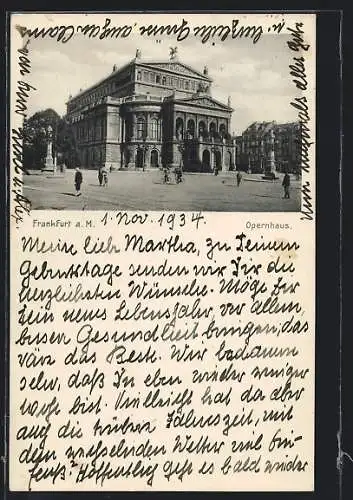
x,y
138,54
49,163
270,167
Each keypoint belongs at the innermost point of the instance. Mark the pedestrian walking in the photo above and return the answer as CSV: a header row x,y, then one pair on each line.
x,y
165,175
78,181
100,176
239,177
105,178
286,184
178,175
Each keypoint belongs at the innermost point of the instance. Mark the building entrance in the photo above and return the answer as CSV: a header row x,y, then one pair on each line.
x,y
139,158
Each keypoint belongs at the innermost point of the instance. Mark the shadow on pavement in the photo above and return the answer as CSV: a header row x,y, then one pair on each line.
x,y
165,183
68,194
266,196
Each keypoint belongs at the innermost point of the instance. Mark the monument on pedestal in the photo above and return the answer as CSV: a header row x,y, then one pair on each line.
x,y
249,164
270,164
49,162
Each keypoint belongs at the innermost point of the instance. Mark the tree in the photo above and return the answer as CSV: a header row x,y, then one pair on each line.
x,y
66,146
35,140
35,137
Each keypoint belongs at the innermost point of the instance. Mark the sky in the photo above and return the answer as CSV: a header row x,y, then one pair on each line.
x,y
255,76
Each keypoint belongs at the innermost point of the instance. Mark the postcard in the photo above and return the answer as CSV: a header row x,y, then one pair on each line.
x,y
162,253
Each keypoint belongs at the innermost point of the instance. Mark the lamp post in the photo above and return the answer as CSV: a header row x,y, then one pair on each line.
x,y
144,149
213,151
181,149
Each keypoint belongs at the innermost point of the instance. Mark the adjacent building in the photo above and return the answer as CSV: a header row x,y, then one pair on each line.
x,y
148,114
254,145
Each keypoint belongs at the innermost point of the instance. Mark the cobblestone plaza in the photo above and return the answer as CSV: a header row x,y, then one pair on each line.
x,y
146,191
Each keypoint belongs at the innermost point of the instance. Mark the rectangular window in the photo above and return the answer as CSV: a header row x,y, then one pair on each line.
x,y
140,129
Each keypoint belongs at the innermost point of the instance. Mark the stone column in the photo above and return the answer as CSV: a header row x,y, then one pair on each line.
x,y
147,157
198,152
224,166
234,155
213,154
147,125
160,129
130,163
49,163
121,130
134,127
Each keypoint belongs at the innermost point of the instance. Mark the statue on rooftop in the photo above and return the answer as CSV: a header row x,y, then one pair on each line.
x,y
138,54
202,87
173,51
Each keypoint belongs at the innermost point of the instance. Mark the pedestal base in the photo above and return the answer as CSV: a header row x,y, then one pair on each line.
x,y
113,164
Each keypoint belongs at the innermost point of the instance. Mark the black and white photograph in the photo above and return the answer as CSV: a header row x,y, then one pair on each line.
x,y
162,320
122,115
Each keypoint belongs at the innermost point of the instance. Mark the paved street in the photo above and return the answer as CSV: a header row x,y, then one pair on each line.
x,y
146,191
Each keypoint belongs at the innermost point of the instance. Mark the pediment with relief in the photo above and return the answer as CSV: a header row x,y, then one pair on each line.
x,y
176,67
205,101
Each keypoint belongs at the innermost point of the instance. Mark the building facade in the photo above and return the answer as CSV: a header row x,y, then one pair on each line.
x,y
254,145
148,114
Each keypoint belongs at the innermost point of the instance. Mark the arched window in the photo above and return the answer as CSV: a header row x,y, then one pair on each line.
x,y
154,129
202,128
158,78
179,128
139,75
191,128
164,80
186,85
140,131
212,129
222,130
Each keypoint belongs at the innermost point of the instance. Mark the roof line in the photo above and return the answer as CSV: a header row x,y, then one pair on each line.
x,y
103,79
205,77
136,61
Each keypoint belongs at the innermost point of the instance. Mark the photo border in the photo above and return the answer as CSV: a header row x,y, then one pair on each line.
x,y
328,204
